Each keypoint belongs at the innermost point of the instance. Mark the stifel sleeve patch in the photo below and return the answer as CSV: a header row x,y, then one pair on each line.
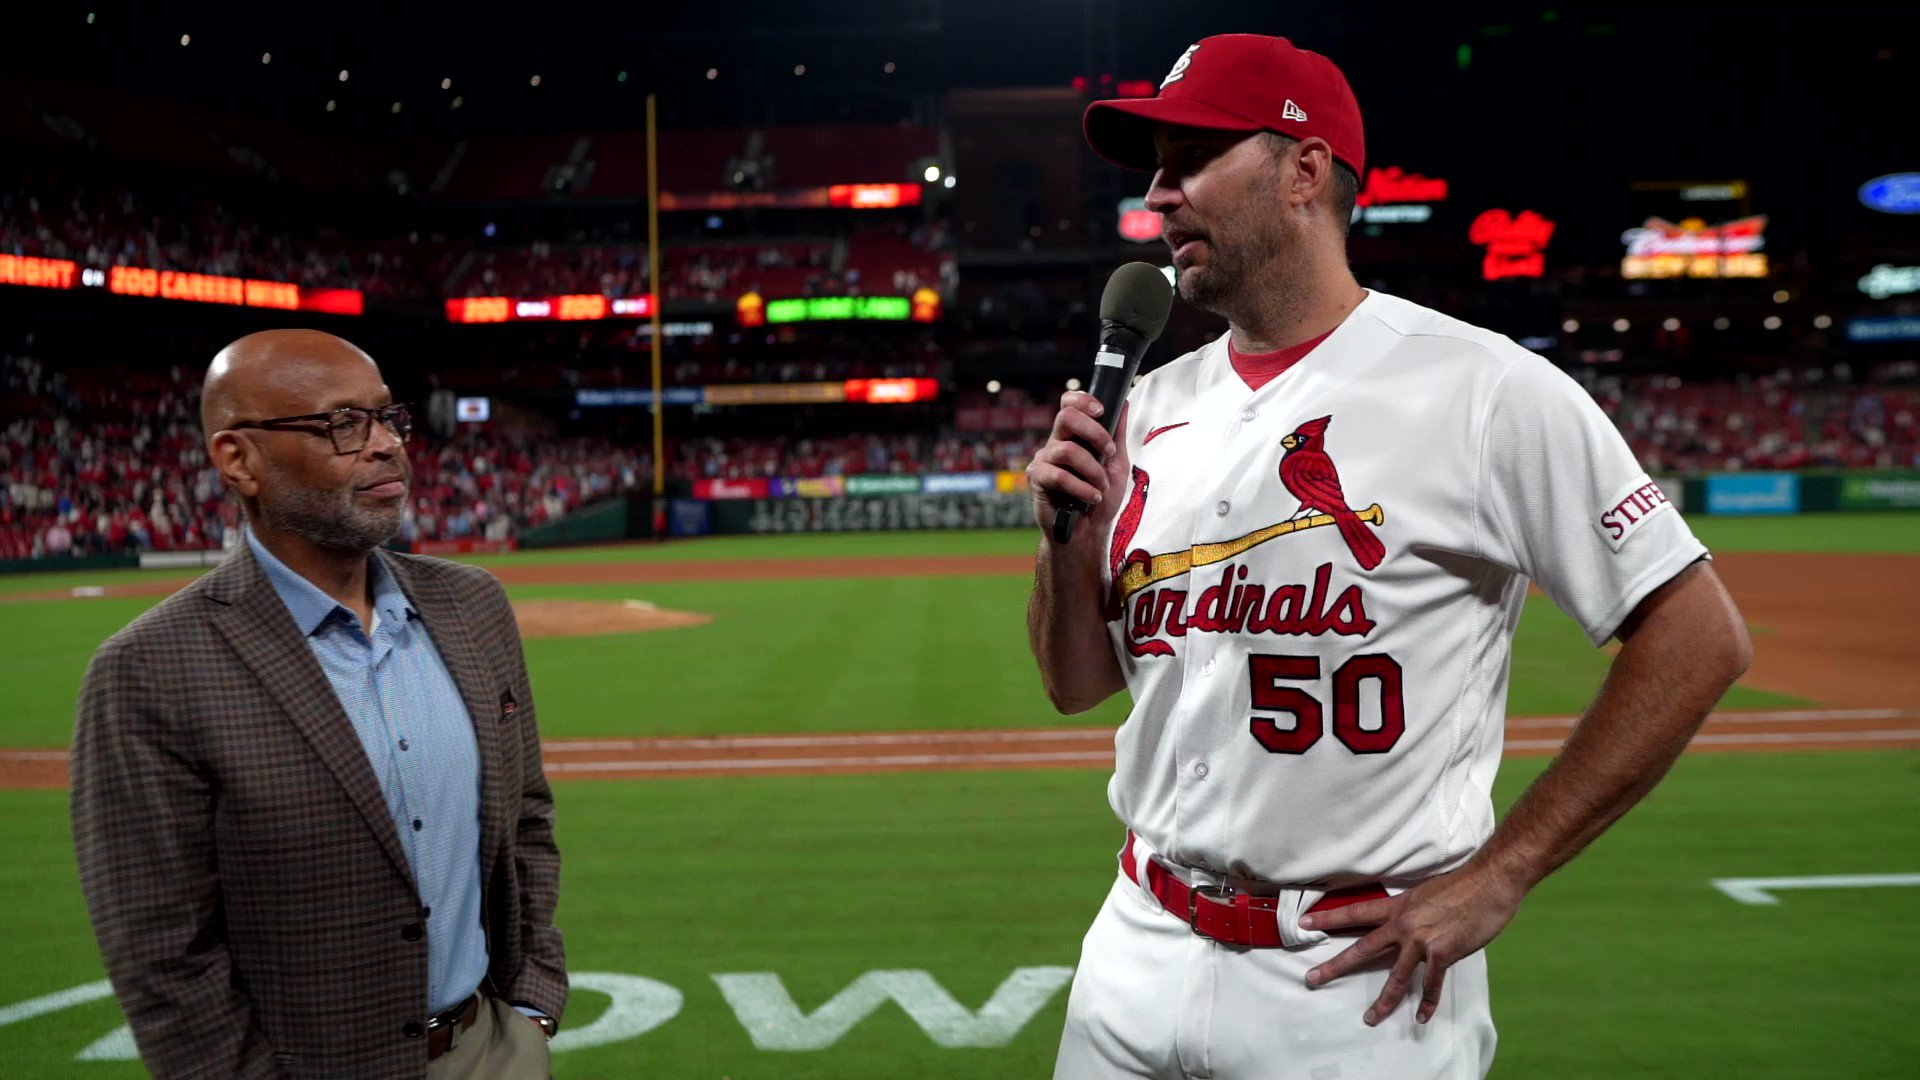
x,y
1630,509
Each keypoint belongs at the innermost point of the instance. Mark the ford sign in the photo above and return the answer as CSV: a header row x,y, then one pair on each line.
x,y
1895,193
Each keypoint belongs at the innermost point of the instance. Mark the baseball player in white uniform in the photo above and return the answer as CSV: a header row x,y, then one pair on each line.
x,y
1304,557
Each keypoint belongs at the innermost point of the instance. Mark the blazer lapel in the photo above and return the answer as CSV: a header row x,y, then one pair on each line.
x,y
444,615
257,625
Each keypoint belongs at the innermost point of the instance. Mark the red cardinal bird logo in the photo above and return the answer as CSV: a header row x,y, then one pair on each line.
x,y
1124,528
1309,476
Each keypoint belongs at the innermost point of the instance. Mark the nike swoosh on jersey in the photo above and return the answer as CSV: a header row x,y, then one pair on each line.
x,y
1159,431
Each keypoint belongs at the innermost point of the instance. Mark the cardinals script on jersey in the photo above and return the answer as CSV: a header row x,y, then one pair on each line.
x,y
1313,587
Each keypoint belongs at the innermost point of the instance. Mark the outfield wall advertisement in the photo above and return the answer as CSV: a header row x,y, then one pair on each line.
x,y
1880,491
1753,493
867,513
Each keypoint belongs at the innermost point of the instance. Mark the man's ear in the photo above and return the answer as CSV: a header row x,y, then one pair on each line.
x,y
1312,171
238,460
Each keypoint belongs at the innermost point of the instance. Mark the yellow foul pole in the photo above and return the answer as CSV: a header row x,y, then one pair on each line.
x,y
653,287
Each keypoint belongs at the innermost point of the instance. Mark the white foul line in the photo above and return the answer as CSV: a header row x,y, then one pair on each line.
x,y
1790,716
1755,739
1063,757
1758,890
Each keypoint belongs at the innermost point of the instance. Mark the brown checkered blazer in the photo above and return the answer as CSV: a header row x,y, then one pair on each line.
x,y
252,901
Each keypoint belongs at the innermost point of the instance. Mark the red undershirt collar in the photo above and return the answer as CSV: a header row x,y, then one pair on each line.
x,y
1259,369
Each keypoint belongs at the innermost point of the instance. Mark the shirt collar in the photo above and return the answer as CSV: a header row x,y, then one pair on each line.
x,y
311,608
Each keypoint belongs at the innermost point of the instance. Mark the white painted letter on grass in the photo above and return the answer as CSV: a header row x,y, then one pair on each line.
x,y
1760,890
639,1006
774,1022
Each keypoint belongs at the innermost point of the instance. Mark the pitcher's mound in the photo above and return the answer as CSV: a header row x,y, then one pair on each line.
x,y
580,618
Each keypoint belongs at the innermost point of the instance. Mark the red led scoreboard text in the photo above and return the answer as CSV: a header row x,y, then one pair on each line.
x,y
177,285
581,307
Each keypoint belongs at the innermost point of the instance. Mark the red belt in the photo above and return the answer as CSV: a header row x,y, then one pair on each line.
x,y
1227,916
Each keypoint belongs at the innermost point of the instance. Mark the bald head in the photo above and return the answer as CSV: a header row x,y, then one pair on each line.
x,y
300,490
283,373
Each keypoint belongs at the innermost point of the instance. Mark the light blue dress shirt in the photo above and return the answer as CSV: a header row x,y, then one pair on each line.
x,y
419,739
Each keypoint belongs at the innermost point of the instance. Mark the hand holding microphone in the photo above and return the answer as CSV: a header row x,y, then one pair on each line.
x,y
1083,461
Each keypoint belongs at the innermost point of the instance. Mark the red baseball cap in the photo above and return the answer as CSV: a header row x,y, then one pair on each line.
x,y
1236,82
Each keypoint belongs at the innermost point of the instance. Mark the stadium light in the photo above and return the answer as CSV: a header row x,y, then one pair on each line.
x,y
185,38
622,77
888,68
1722,323
1821,322
266,58
1781,296
1571,326
329,104
932,174
1670,324
1771,322
446,84
396,107
1621,325
713,73
457,102
89,18
343,74
535,81
993,386
948,182
799,69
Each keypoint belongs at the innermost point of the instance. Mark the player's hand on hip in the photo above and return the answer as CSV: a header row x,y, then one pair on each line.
x,y
1065,469
1438,922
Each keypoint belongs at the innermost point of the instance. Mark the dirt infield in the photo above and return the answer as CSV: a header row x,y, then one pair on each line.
x,y
1057,748
587,618
1838,630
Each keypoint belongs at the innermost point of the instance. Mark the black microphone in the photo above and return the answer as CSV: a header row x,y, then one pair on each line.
x,y
1133,311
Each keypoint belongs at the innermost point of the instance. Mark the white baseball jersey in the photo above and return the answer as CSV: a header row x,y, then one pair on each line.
x,y
1314,587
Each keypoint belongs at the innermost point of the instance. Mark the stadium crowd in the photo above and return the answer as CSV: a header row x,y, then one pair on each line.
x,y
104,460
104,224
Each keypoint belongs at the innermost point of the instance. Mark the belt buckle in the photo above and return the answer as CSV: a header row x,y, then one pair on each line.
x,y
1215,894
451,1020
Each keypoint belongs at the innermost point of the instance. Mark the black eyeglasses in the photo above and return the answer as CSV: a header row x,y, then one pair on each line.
x,y
349,428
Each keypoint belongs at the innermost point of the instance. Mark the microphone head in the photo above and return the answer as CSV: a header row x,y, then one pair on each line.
x,y
1138,297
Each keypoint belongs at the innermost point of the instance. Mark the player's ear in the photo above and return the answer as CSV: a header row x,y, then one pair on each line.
x,y
1312,171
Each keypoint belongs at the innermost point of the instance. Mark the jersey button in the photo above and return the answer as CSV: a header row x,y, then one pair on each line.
x,y
1222,507
1200,770
1206,668
1249,415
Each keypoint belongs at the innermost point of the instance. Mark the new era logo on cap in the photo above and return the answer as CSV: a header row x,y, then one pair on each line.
x,y
1293,112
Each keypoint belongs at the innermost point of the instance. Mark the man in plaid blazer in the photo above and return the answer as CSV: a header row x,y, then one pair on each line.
x,y
312,825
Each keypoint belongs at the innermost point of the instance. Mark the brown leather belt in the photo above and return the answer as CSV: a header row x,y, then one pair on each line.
x,y
442,1029
1228,916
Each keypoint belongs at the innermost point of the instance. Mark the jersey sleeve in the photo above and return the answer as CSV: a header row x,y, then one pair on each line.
x,y
1560,498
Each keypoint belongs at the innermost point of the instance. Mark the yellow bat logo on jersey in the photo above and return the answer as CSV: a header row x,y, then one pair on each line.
x,y
1135,575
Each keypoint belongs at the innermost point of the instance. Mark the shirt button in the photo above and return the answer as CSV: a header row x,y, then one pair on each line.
x,y
1200,770
412,1030
1249,415
1222,507
403,746
426,912
416,824
411,932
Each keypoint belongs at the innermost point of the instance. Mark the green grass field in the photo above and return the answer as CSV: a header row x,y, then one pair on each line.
x,y
1627,964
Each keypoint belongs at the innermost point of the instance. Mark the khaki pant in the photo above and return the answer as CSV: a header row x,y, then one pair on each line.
x,y
504,1044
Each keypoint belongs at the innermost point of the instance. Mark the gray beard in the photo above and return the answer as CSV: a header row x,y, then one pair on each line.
x,y
330,519
1246,273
